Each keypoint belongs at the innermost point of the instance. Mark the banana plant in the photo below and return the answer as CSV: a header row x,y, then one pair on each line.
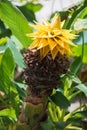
x,y
44,102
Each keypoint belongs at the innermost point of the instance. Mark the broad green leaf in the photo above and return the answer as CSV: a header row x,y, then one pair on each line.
x,y
7,63
2,127
80,25
47,125
4,31
2,88
29,10
2,27
6,70
1,57
67,83
20,87
17,55
16,100
9,112
83,13
76,65
33,7
60,125
77,51
16,42
60,100
3,48
3,41
18,58
73,128
73,78
15,21
83,88
30,16
82,113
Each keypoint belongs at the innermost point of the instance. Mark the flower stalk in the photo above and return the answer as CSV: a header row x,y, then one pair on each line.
x,y
46,59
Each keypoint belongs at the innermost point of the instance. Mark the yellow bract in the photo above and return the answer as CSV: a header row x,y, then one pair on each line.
x,y
50,37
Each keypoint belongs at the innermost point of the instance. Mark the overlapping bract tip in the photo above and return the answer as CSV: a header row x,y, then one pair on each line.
x,y
50,37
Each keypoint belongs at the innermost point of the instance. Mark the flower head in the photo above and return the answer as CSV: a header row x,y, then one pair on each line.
x,y
50,37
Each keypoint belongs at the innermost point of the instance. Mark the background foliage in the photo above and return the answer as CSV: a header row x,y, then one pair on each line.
x,y
14,25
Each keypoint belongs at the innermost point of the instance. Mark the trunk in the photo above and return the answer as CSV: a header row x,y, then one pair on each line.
x,y
33,111
41,76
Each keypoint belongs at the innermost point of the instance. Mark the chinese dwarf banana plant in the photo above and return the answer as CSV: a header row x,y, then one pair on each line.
x,y
46,59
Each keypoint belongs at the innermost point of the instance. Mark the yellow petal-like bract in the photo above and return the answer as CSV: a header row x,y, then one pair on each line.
x,y
50,37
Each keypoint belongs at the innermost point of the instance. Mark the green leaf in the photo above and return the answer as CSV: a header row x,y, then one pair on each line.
x,y
74,15
2,27
1,57
77,51
2,88
29,10
20,85
81,113
20,88
3,48
73,78
18,58
3,41
83,88
73,128
47,125
16,21
33,7
9,112
83,13
60,100
6,70
6,32
67,82
3,30
16,54
30,16
7,64
76,65
60,125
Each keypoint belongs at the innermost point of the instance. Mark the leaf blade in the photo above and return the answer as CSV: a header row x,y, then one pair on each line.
x,y
15,21
6,66
76,65
60,100
82,88
9,112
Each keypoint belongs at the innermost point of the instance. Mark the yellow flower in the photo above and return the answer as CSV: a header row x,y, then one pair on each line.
x,y
50,37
